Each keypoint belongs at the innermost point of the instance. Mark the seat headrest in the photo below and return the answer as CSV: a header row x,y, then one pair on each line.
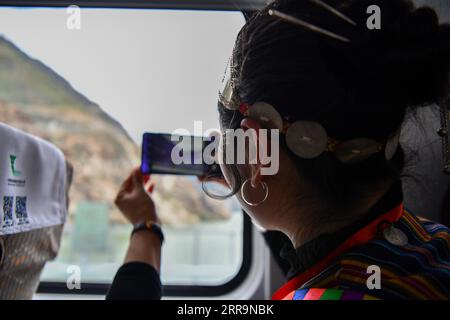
x,y
32,182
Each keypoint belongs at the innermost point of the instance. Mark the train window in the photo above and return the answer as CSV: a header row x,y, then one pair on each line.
x,y
93,86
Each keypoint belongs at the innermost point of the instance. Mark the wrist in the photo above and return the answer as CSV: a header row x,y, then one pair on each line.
x,y
145,247
146,236
142,217
149,227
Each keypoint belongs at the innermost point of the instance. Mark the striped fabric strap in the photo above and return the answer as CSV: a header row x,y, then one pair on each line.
x,y
327,294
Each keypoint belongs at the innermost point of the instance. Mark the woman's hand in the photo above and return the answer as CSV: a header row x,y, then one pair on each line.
x,y
137,206
134,201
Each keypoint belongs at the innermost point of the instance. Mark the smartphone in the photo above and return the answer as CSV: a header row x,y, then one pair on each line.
x,y
164,153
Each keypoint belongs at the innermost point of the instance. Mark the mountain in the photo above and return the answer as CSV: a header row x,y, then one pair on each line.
x,y
27,81
35,99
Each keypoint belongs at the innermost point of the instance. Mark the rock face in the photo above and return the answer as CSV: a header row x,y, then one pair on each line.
x,y
37,100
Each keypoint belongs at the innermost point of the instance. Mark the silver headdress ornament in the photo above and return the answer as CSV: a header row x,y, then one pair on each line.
x,y
227,93
312,27
306,139
309,139
307,25
334,11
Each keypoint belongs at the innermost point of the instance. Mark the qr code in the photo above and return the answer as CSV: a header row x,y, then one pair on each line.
x,y
8,203
21,210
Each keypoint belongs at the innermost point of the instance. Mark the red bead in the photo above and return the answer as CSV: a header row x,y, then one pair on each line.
x,y
243,108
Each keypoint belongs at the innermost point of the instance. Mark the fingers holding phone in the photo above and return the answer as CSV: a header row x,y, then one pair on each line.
x,y
133,198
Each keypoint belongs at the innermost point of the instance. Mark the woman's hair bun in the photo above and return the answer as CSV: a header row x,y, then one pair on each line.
x,y
408,59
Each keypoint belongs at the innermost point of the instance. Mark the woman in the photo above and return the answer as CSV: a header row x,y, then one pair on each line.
x,y
338,91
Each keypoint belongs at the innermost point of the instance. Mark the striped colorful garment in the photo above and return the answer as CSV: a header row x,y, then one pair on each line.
x,y
413,267
327,294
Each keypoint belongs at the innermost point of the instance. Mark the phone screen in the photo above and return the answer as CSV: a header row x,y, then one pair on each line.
x,y
161,154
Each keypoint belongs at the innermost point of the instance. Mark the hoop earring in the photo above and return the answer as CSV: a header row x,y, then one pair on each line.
x,y
254,204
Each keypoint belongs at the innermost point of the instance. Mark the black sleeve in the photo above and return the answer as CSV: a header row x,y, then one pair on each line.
x,y
135,281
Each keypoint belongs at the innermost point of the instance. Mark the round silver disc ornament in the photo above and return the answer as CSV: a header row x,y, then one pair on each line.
x,y
267,114
306,139
395,236
356,150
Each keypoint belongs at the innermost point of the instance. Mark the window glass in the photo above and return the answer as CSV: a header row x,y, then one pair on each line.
x,y
92,87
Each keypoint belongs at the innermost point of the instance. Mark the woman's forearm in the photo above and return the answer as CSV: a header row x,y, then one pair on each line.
x,y
145,246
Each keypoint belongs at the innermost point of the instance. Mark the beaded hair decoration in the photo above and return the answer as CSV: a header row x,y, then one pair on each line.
x,y
309,139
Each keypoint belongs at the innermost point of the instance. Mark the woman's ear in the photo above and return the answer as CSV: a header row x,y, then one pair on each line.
x,y
251,124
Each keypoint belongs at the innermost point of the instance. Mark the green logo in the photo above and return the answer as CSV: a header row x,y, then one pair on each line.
x,y
16,173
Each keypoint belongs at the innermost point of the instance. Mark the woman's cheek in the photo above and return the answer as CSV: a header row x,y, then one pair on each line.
x,y
228,177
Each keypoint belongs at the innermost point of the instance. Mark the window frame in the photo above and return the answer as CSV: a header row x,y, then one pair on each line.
x,y
247,8
47,287
219,5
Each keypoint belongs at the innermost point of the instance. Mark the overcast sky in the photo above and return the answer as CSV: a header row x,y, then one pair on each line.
x,y
152,70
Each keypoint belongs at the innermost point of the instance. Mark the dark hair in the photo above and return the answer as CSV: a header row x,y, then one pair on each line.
x,y
356,89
